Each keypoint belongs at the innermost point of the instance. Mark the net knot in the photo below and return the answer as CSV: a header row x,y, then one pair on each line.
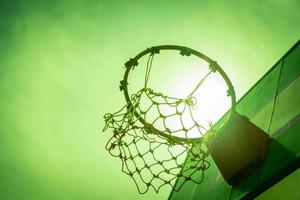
x,y
191,101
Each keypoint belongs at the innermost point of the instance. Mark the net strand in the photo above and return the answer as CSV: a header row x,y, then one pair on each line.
x,y
200,83
148,68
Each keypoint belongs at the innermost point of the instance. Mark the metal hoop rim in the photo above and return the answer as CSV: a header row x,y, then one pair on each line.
x,y
184,51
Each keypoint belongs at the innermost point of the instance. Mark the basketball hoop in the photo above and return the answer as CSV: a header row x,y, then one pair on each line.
x,y
139,142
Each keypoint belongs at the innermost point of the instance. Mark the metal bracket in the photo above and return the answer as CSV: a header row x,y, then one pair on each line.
x,y
153,50
214,66
123,84
185,51
131,63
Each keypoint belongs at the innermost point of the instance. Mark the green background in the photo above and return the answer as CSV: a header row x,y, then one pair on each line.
x,y
60,64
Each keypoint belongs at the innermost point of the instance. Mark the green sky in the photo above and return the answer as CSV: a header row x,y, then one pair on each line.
x,y
60,64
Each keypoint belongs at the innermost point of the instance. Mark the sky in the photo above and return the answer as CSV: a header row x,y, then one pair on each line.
x,y
60,67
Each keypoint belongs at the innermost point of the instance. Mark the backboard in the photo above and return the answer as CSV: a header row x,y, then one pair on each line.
x,y
272,104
